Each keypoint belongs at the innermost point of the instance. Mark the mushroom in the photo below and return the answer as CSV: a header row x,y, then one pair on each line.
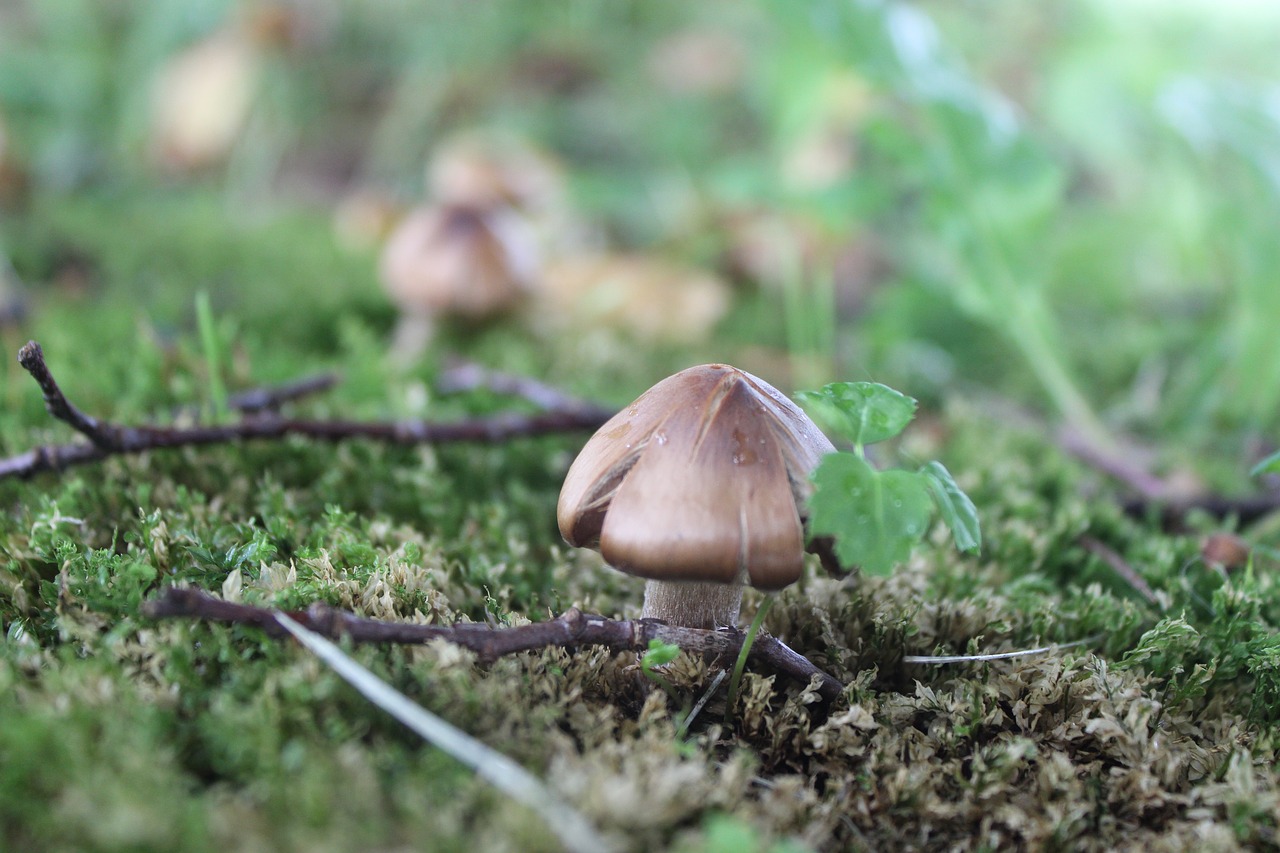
x,y
698,486
651,299
201,100
489,170
453,260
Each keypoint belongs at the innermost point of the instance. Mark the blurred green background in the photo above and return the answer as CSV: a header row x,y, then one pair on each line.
x,y
1069,204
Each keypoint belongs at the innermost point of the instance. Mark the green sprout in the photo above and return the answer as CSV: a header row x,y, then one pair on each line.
x,y
659,654
876,517
212,357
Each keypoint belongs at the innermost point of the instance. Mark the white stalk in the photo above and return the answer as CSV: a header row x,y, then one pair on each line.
x,y
693,604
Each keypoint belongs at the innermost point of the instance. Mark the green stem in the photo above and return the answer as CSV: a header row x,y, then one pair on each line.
x,y
1060,388
1030,327
667,686
741,663
212,357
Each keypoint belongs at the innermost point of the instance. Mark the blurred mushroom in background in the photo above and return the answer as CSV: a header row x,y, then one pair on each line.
x,y
774,250
490,170
650,299
202,98
200,102
455,261
364,218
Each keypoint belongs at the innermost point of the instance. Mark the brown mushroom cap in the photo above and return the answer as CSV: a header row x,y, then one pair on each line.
x,y
458,260
700,479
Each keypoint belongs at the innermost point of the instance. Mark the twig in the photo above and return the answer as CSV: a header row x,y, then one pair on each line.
x,y
1171,514
31,357
1121,567
273,397
468,376
1114,465
107,439
1151,494
571,629
683,728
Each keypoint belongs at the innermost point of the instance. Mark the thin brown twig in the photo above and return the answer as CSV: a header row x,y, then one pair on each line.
x,y
571,629
273,397
106,439
1152,496
1115,465
1121,567
460,376
1172,514
103,436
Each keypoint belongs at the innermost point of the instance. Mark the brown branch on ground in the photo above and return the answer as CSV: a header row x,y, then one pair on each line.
x,y
571,629
459,376
106,439
271,398
1171,514
1152,496
103,436
1117,465
1121,567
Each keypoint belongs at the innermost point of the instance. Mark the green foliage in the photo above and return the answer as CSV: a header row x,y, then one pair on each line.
x,y
876,517
1270,465
730,834
658,654
957,511
862,412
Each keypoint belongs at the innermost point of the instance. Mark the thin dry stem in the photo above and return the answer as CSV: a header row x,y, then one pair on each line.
x,y
107,439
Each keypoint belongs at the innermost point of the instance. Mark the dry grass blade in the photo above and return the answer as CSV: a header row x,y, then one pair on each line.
x,y
573,830
1022,653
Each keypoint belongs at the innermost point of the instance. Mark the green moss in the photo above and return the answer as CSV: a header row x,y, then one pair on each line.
x,y
117,733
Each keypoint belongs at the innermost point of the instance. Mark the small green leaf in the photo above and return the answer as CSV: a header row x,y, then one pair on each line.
x,y
875,516
659,654
954,506
1270,465
863,412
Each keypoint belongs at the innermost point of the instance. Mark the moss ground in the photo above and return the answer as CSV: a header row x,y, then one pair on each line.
x,y
121,734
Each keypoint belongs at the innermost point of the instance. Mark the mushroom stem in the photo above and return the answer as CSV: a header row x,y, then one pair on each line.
x,y
412,336
693,604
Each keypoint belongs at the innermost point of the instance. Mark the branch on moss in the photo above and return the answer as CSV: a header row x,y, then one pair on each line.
x,y
1172,515
459,376
269,399
1152,497
262,422
569,630
1121,567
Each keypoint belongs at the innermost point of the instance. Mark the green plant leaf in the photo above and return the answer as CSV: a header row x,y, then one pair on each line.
x,y
1270,465
863,412
875,516
954,506
659,654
